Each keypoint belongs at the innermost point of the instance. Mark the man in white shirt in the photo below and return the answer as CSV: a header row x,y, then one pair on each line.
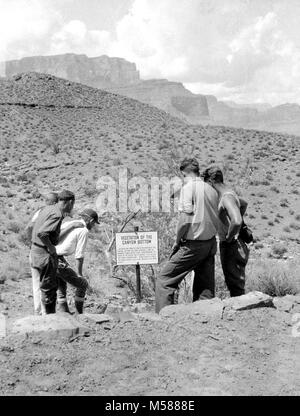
x,y
74,243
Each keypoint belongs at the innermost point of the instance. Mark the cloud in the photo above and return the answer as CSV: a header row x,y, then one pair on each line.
x,y
75,37
236,49
24,24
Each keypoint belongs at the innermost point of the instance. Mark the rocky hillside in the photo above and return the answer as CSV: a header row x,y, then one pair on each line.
x,y
171,97
55,133
120,76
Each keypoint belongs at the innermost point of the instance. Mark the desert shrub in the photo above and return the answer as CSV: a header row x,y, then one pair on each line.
x,y
273,277
284,202
275,189
287,229
279,249
294,226
14,226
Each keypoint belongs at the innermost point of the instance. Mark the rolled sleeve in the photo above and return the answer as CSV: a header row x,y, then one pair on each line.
x,y
81,244
185,204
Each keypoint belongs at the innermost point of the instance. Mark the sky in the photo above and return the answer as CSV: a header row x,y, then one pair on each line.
x,y
247,51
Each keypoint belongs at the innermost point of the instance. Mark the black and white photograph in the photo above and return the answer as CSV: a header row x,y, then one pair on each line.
x,y
149,201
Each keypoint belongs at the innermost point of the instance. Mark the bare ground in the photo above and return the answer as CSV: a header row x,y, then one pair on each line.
x,y
253,353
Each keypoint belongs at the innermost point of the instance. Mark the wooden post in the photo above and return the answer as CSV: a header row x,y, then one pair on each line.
x,y
138,277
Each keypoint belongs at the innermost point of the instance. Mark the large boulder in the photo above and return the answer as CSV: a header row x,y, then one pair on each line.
x,y
50,326
249,301
205,309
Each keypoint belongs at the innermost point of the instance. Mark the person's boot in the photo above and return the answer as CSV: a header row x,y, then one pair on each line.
x,y
63,307
79,305
50,308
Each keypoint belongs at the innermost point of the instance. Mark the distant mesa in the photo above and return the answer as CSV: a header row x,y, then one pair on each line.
x,y
119,76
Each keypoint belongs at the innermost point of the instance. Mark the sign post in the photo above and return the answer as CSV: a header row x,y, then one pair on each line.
x,y
136,248
138,276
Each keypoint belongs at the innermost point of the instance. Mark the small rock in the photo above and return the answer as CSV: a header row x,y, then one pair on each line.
x,y
148,316
249,301
141,308
97,318
126,316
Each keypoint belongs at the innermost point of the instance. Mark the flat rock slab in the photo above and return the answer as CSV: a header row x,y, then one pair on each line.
x,y
206,309
249,301
50,326
96,318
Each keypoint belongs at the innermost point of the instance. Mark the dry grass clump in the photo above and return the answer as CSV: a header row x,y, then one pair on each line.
x,y
273,277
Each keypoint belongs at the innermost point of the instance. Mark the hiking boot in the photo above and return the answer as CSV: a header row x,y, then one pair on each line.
x,y
50,308
63,307
79,306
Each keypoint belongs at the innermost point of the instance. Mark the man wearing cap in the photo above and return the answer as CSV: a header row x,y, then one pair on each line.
x,y
74,243
195,245
45,236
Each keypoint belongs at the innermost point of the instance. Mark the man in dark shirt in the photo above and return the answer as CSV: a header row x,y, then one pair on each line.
x,y
45,236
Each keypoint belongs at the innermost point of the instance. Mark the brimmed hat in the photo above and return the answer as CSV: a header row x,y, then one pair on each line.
x,y
91,214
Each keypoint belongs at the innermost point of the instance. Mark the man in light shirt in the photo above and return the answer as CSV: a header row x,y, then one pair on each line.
x,y
195,245
74,243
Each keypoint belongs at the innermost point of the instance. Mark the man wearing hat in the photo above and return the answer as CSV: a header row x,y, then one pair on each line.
x,y
74,243
45,236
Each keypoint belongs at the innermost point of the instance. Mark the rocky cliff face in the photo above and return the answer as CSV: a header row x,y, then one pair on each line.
x,y
99,72
172,97
121,77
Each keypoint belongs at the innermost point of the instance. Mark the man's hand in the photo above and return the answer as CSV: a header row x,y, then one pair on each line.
x,y
174,250
52,251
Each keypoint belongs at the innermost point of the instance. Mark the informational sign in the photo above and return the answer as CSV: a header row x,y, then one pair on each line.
x,y
137,248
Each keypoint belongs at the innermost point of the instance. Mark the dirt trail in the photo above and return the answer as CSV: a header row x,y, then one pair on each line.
x,y
252,354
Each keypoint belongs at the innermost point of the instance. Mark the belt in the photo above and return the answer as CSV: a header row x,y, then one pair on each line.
x,y
196,241
39,245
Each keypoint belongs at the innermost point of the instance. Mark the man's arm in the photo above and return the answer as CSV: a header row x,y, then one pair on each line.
x,y
80,250
49,225
233,212
182,227
68,227
243,206
79,265
44,237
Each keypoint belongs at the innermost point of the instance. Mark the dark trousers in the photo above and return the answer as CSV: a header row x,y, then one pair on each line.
x,y
234,258
49,282
66,275
198,256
